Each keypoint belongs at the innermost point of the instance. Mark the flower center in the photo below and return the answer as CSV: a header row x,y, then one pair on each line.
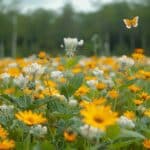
x,y
98,119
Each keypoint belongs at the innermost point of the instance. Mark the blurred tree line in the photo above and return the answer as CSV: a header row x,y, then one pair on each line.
x,y
103,31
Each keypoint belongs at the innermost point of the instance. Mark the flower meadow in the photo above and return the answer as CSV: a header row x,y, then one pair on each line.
x,y
75,102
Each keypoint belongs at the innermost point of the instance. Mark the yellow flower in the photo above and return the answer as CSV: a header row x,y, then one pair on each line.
x,y
90,64
9,91
98,116
7,144
144,74
101,86
76,70
70,136
42,55
3,133
27,91
146,143
61,68
144,96
134,88
129,114
50,83
30,118
82,91
50,91
138,102
137,56
113,94
14,72
147,113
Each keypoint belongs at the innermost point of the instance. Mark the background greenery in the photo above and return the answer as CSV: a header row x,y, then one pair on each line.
x,y
103,30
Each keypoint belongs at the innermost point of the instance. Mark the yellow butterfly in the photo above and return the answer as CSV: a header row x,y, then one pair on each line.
x,y
131,22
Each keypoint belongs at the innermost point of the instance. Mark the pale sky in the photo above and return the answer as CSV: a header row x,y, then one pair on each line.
x,y
79,5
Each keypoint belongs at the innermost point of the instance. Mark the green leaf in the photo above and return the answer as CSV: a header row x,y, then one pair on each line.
x,y
113,131
72,85
22,102
121,144
131,134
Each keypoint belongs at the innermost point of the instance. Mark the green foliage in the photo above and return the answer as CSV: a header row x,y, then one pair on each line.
x,y
72,85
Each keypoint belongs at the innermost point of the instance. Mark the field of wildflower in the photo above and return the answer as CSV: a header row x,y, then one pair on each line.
x,y
75,102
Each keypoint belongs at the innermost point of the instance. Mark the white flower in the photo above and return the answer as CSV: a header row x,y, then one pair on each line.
x,y
71,45
125,122
5,77
81,42
34,68
98,72
126,61
92,83
73,102
20,81
38,130
90,132
109,82
6,108
56,74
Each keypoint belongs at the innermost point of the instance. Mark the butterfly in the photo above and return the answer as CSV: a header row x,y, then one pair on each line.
x,y
131,22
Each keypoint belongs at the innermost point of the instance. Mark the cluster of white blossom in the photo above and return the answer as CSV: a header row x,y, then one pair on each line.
x,y
90,132
126,61
38,130
21,81
56,74
34,69
71,45
5,77
125,122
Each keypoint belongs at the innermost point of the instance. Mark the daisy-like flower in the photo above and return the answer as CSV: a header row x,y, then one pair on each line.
x,y
146,143
30,118
3,133
82,91
98,116
134,88
42,55
101,86
147,113
130,115
113,94
70,136
7,144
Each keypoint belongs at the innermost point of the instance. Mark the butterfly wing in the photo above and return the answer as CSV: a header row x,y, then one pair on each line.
x,y
135,21
127,23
